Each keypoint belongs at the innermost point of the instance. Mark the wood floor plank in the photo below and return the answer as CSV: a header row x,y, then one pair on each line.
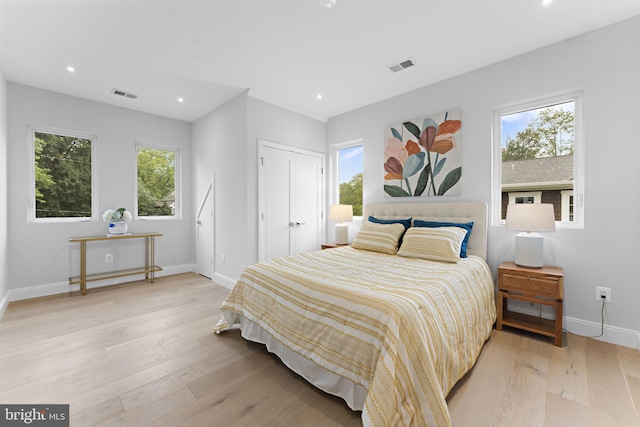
x,y
466,404
629,361
144,354
97,414
608,392
149,413
634,390
562,412
526,392
568,371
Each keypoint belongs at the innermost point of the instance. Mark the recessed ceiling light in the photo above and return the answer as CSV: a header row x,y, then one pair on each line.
x,y
546,2
319,96
327,4
70,69
180,100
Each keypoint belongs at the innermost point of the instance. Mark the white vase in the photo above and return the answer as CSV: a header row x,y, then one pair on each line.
x,y
118,227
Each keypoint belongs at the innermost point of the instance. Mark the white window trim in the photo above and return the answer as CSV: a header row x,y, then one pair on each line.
x,y
566,194
333,164
177,180
537,196
577,96
31,207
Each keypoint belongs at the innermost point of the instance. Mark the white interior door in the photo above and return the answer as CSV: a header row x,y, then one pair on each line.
x,y
275,167
291,201
307,209
205,235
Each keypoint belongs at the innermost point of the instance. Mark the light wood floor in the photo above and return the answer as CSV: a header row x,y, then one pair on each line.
x,y
143,354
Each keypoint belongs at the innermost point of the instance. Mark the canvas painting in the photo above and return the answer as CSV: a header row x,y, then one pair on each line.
x,y
422,156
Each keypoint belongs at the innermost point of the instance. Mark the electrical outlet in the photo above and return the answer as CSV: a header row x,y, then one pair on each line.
x,y
602,292
108,258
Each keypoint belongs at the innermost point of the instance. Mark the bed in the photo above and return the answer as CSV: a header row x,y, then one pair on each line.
x,y
389,334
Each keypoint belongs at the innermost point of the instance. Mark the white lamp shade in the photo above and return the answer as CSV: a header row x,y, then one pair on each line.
x,y
341,213
530,217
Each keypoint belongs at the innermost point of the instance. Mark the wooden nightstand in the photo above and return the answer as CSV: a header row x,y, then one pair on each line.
x,y
543,285
334,245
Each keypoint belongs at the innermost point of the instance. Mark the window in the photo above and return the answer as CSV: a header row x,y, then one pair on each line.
x,y
348,174
158,182
62,176
529,197
538,153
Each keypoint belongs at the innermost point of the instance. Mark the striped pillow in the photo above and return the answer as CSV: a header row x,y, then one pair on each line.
x,y
438,244
378,237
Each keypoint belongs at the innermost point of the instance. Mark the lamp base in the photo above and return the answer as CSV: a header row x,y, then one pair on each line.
x,y
529,250
342,234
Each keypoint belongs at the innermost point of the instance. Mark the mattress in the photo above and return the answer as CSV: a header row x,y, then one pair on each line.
x,y
388,334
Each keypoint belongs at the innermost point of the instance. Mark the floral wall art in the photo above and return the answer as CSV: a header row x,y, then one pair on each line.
x,y
422,156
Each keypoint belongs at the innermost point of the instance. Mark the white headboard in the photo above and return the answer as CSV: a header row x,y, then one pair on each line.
x,y
437,211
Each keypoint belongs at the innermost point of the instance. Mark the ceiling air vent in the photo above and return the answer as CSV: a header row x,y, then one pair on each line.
x,y
407,63
123,93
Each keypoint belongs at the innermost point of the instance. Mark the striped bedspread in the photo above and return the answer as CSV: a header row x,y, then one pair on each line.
x,y
405,329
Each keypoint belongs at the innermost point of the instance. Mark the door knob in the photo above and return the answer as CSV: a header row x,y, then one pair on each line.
x,y
199,222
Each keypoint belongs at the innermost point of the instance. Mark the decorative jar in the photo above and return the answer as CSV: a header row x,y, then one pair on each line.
x,y
119,227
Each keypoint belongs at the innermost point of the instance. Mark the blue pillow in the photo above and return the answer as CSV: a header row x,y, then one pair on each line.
x,y
405,222
433,224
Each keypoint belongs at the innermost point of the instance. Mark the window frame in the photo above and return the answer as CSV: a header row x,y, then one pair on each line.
x,y
31,206
177,182
577,96
335,170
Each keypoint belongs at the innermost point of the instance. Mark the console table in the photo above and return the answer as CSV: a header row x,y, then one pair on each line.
x,y
149,268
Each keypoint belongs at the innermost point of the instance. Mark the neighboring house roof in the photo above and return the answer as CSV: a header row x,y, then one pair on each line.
x,y
169,199
545,172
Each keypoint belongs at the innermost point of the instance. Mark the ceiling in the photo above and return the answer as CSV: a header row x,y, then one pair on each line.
x,y
285,52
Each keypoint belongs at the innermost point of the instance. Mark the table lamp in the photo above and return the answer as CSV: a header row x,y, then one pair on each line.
x,y
341,213
530,218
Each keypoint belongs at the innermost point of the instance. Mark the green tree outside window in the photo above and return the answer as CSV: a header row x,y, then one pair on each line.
x,y
62,176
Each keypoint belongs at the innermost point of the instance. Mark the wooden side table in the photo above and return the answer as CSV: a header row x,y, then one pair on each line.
x,y
543,285
334,245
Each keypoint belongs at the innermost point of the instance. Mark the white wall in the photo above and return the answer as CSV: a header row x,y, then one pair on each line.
x,y
40,253
606,65
225,143
4,263
219,147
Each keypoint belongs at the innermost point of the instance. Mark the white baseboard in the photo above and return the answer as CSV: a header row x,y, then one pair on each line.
x,y
224,280
4,304
611,334
63,287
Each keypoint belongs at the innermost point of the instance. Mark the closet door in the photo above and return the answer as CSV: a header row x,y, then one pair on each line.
x,y
307,206
291,201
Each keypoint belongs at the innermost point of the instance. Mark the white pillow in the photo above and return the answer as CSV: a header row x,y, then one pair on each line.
x,y
438,244
378,237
